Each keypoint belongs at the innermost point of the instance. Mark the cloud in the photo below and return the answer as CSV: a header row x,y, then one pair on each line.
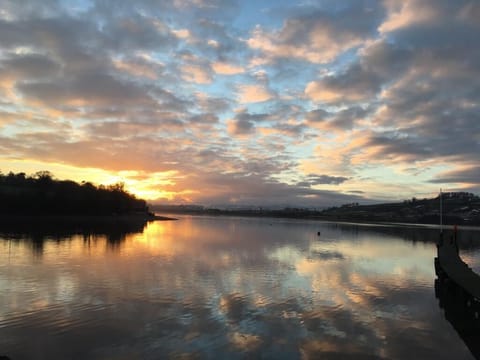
x,y
254,93
28,66
182,33
224,68
205,119
354,85
316,35
313,179
91,88
197,74
470,13
244,123
139,67
317,115
294,130
137,32
402,14
241,127
341,120
212,104
468,175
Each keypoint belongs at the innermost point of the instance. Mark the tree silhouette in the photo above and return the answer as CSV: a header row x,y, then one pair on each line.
x,y
41,193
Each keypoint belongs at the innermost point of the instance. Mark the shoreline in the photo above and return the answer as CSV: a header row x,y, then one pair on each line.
x,y
75,218
330,219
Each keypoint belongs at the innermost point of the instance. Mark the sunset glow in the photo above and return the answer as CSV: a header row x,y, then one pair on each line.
x,y
270,103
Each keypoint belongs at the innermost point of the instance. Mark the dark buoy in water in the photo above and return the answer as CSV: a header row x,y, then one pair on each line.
x,y
318,233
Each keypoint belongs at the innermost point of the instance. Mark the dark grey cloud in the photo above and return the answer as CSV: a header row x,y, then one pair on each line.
x,y
345,119
204,119
317,115
130,127
386,59
297,131
245,122
246,116
169,100
93,88
213,105
469,175
284,118
378,66
242,127
29,66
314,179
226,43
138,66
393,145
64,37
32,8
347,18
356,84
136,32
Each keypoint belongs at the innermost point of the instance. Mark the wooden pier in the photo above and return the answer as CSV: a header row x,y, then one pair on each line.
x,y
449,264
458,290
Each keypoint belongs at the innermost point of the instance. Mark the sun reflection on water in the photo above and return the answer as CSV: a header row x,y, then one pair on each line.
x,y
222,287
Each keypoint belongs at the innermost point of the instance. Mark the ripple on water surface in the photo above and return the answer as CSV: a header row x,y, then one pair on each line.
x,y
225,288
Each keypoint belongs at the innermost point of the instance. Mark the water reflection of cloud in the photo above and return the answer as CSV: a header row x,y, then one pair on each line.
x,y
325,255
245,342
213,289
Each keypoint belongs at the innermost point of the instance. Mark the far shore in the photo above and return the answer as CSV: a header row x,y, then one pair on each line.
x,y
329,219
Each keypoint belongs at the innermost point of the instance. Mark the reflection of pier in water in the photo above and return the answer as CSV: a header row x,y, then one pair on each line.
x,y
458,289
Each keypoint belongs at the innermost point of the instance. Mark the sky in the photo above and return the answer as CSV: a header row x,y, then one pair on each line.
x,y
262,103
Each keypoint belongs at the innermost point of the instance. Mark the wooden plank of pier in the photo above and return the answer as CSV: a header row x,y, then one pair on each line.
x,y
456,269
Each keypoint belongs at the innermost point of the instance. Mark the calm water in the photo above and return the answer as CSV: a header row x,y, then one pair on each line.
x,y
232,288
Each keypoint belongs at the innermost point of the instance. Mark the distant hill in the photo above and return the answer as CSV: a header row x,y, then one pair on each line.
x,y
41,194
460,208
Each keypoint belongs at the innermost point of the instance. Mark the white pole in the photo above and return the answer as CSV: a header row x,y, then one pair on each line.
x,y
441,212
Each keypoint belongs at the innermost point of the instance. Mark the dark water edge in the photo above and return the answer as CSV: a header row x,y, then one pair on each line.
x,y
58,225
461,310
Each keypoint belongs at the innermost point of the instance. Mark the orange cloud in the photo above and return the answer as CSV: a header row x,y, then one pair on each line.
x,y
317,92
197,74
253,93
406,13
224,68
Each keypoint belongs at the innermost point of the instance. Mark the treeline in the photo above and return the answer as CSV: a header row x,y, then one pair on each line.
x,y
41,193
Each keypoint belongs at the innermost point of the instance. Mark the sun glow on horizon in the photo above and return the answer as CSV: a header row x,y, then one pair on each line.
x,y
148,186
